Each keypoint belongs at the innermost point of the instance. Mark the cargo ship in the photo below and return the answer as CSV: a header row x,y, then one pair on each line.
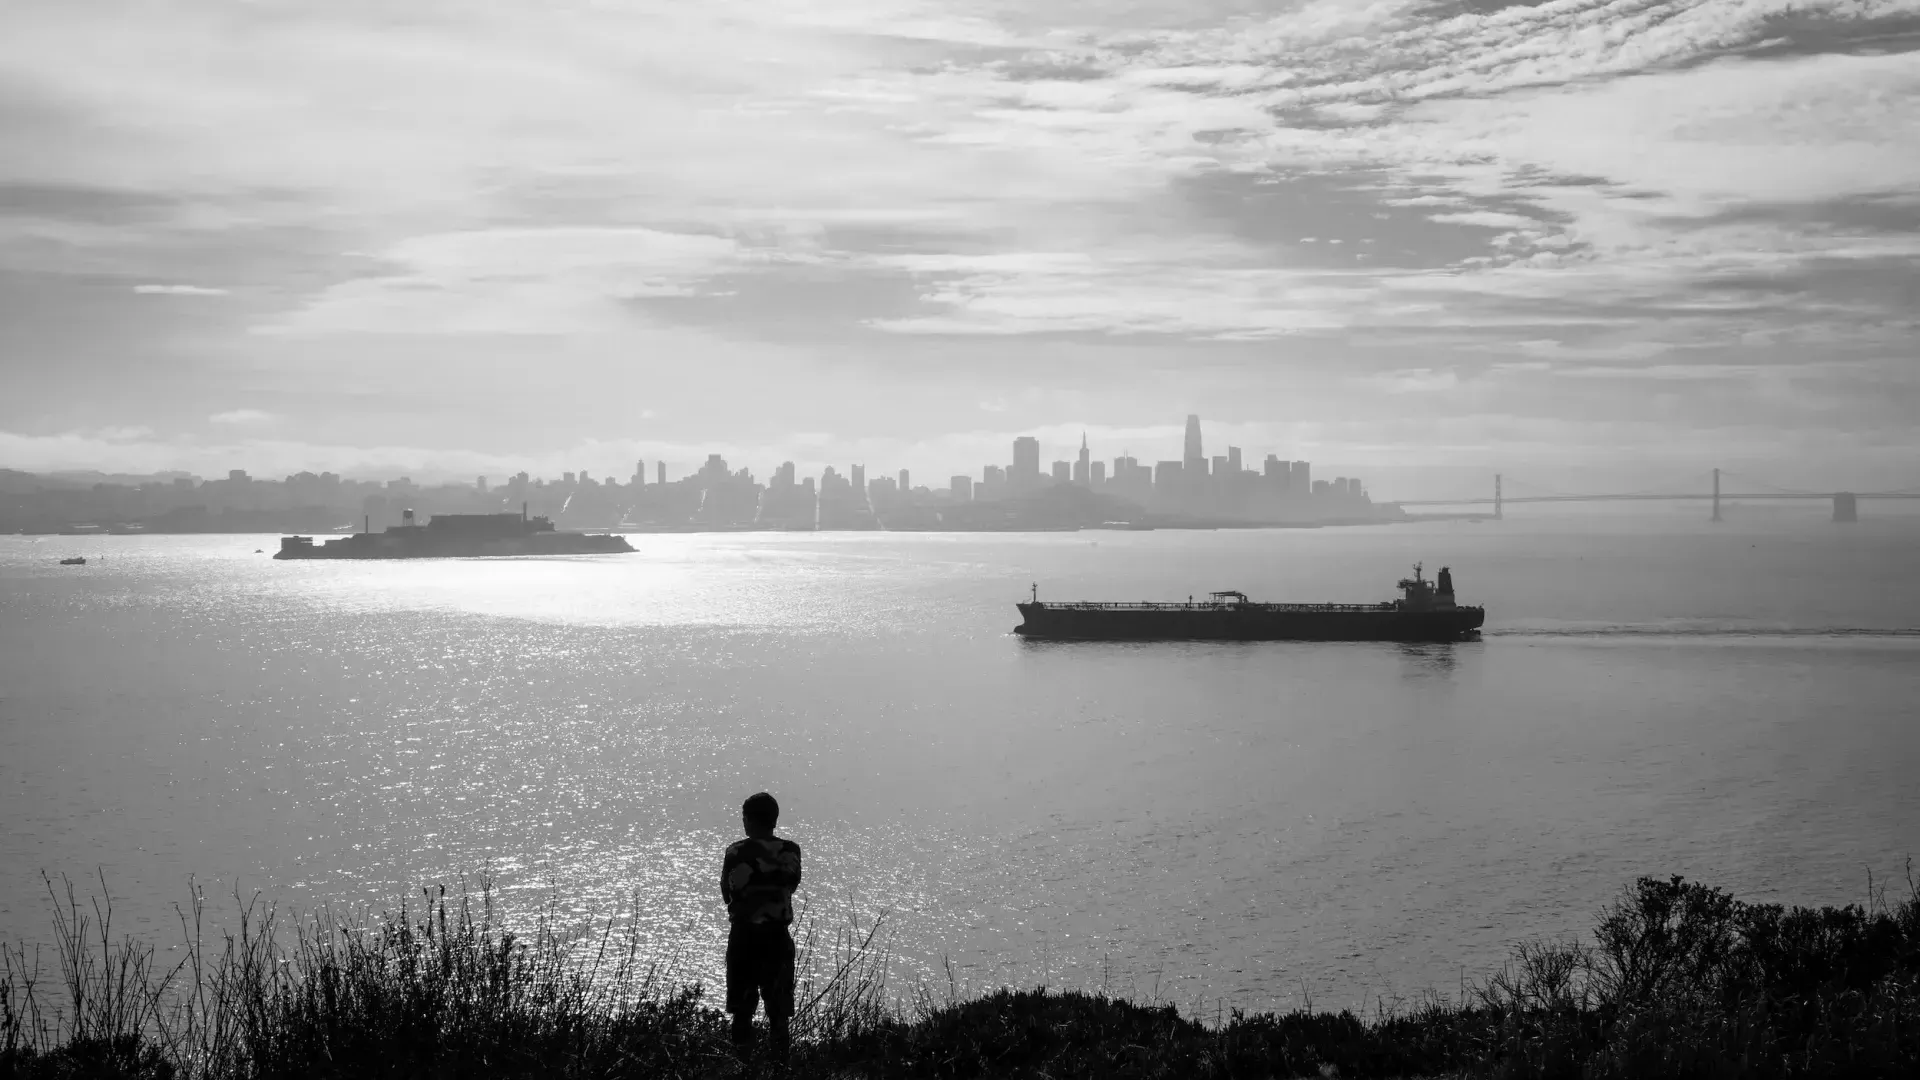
x,y
1426,611
456,536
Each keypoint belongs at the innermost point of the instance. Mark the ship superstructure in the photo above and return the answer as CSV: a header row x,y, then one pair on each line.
x,y
1426,611
456,536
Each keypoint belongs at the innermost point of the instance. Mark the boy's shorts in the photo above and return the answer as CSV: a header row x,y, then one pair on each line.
x,y
760,966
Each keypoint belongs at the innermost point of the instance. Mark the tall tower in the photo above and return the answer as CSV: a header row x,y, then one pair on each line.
x,y
1195,458
1025,473
1082,470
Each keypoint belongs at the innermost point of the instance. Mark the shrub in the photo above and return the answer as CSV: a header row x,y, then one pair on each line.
x,y
1680,980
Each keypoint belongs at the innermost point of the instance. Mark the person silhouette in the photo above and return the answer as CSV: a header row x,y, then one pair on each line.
x,y
757,881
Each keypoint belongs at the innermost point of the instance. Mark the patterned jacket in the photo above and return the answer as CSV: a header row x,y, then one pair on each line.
x,y
757,880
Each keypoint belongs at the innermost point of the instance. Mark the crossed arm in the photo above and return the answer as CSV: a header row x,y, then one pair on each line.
x,y
738,874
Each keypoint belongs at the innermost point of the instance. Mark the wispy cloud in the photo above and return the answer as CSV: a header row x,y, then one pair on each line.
x,y
242,418
178,290
517,281
1415,381
1462,202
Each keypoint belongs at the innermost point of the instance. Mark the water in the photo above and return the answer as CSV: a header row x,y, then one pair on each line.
x,y
1250,823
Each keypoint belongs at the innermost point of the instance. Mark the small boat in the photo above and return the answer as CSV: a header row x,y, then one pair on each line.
x,y
75,561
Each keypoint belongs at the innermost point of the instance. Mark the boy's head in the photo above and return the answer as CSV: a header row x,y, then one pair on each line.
x,y
760,813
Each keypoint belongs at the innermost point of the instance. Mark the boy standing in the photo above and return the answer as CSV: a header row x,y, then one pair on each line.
x,y
757,880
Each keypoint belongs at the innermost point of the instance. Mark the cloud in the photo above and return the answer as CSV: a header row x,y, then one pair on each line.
x,y
1197,290
519,281
957,190
242,418
1702,140
1415,381
489,116
178,290
1601,130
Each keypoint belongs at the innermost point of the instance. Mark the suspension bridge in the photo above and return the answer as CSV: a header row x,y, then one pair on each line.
x,y
1846,504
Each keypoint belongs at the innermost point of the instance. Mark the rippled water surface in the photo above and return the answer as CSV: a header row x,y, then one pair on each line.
x,y
1247,822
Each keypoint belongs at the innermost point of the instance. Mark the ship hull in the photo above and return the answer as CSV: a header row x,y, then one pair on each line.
x,y
1175,622
376,546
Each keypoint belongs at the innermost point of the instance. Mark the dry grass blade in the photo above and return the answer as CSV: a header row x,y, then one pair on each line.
x,y
1680,981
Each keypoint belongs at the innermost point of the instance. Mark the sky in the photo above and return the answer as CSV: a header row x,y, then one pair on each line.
x,y
1581,241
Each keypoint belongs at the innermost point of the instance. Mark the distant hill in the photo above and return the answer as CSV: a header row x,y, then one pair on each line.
x,y
90,477
16,482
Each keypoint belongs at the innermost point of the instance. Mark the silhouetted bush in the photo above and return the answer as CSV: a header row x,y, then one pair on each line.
x,y
1679,980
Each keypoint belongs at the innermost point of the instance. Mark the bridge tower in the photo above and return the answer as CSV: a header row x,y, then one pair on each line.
x,y
1499,510
1716,496
1845,506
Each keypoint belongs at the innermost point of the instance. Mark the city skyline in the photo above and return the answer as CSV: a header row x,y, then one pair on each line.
x,y
1646,237
1387,482
1197,489
1023,472
1060,441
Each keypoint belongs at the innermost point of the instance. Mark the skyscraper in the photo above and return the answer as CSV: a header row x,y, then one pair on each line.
x,y
1082,473
1026,463
1194,466
992,485
1168,480
904,485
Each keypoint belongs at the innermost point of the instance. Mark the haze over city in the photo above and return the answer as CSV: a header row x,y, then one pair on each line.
x,y
1609,240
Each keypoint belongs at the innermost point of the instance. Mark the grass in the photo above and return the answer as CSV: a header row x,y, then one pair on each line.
x,y
1678,980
